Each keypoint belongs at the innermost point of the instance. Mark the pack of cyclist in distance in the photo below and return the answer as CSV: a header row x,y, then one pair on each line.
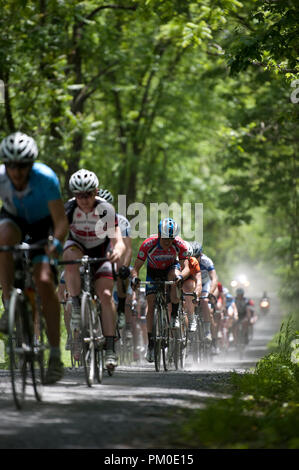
x,y
33,210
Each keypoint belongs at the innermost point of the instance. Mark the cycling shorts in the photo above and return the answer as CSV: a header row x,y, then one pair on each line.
x,y
103,269
31,233
158,275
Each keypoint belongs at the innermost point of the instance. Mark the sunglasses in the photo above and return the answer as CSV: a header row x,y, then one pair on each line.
x,y
84,195
19,166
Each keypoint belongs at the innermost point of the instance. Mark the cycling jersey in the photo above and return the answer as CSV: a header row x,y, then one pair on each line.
x,y
206,266
159,258
242,304
31,204
193,266
124,225
87,228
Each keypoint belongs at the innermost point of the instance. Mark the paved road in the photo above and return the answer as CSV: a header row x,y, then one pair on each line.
x,y
134,409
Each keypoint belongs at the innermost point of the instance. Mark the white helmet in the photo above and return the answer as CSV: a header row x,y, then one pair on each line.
x,y
18,147
105,194
189,250
83,181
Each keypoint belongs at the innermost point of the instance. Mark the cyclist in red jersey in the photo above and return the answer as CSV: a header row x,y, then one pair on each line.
x,y
166,254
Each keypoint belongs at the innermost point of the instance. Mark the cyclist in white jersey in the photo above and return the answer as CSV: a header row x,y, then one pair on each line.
x,y
32,207
94,231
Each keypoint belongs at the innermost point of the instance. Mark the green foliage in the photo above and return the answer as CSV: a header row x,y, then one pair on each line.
x,y
263,410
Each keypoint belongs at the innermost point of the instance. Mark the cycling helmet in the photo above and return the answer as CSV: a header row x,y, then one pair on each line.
x,y
240,291
105,194
189,250
197,249
18,147
168,228
83,181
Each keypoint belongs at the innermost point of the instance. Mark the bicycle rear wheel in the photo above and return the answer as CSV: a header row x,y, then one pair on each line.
x,y
18,346
88,345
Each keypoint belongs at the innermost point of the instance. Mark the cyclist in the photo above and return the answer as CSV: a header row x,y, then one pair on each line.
x,y
94,231
230,315
123,266
192,284
244,313
209,284
166,254
32,208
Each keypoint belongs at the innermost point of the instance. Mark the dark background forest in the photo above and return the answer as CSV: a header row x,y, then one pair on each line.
x,y
169,101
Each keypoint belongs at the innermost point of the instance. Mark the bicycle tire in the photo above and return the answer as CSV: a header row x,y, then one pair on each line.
x,y
37,363
99,341
183,343
99,365
17,341
88,345
157,337
167,346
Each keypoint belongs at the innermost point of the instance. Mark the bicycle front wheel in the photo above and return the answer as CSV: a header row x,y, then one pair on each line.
x,y
157,334
88,345
18,345
38,353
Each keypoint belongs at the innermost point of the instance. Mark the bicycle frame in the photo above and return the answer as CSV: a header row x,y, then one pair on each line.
x,y
92,338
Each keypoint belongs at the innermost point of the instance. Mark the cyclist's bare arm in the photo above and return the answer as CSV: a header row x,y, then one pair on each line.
x,y
214,279
198,286
60,221
118,246
137,266
185,270
126,261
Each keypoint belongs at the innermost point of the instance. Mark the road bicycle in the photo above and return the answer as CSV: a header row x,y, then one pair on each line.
x,y
163,336
200,348
182,336
90,332
26,326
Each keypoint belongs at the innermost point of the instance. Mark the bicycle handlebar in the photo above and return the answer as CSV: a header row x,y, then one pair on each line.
x,y
168,283
83,260
24,246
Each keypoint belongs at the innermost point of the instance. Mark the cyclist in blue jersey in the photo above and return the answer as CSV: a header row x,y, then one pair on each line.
x,y
32,208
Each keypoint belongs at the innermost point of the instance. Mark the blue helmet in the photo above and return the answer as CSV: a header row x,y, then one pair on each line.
x,y
168,228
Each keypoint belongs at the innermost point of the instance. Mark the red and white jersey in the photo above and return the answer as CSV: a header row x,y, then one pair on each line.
x,y
90,229
159,258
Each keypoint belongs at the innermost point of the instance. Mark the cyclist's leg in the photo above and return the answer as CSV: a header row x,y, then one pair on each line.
x,y
174,298
206,313
188,287
43,277
104,288
10,234
72,251
151,298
